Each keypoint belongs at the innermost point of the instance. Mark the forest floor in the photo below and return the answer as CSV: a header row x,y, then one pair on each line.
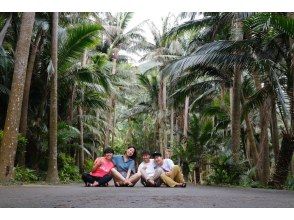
x,y
76,195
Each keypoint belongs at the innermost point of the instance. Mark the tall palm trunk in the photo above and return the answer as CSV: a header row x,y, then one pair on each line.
x,y
172,117
162,115
9,141
274,129
111,103
287,147
26,94
81,112
185,118
264,113
4,29
52,173
235,94
251,148
81,151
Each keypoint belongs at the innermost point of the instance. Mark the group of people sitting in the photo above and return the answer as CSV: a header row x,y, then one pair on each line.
x,y
152,172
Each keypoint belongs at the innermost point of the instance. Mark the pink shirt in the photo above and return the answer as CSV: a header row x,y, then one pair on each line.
x,y
104,168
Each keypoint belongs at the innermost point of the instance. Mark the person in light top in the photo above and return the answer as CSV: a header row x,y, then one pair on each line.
x,y
150,177
100,174
172,175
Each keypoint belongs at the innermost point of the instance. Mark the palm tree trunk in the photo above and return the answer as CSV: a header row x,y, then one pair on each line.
x,y
161,115
52,173
274,129
4,29
26,94
70,109
185,118
11,128
81,152
291,42
235,104
111,103
264,113
172,115
284,161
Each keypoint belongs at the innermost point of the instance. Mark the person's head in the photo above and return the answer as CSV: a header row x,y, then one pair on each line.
x,y
108,153
157,158
131,152
146,156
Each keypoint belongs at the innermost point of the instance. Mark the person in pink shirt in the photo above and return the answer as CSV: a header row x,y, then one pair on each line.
x,y
100,174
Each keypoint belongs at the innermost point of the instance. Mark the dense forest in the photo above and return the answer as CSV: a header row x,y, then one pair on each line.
x,y
213,91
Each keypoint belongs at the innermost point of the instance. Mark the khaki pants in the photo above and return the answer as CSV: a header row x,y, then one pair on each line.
x,y
155,177
174,178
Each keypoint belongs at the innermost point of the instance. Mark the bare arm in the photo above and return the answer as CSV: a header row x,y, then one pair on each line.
x,y
97,164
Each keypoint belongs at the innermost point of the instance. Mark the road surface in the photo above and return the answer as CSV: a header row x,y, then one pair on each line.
x,y
75,195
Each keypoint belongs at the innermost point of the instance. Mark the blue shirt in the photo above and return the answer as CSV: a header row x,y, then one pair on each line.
x,y
122,165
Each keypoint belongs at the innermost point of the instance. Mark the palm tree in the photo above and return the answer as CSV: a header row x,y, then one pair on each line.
x,y
116,39
9,141
52,173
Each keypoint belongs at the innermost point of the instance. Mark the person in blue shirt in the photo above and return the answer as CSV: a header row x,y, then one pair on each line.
x,y
124,173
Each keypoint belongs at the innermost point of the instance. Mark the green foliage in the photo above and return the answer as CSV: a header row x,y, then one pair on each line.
x,y
21,140
290,183
224,171
25,175
68,171
89,165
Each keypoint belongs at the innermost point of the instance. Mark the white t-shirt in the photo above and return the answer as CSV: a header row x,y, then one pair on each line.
x,y
149,167
167,165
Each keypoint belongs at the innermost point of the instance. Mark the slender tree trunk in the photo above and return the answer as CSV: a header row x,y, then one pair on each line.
x,y
161,116
26,94
185,118
4,29
52,173
172,116
284,161
70,109
264,161
291,42
11,128
111,103
81,151
264,113
235,104
274,129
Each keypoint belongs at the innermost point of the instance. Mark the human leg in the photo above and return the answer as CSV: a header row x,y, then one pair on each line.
x,y
104,180
168,180
178,176
135,178
88,179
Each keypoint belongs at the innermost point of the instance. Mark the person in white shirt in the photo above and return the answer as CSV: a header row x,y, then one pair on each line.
x,y
150,177
172,175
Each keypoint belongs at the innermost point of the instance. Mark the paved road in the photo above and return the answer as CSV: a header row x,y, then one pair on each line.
x,y
138,196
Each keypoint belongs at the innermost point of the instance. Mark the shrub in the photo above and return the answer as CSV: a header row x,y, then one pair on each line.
x,y
290,183
224,171
89,165
25,175
68,171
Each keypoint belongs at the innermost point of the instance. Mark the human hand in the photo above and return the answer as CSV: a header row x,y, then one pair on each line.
x,y
168,173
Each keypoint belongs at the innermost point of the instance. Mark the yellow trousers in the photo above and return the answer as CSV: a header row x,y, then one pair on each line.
x,y
174,178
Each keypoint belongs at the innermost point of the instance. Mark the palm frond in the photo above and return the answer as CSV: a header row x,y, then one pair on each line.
x,y
76,41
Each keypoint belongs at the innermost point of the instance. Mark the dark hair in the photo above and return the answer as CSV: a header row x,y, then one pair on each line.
x,y
156,154
133,157
108,150
146,152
